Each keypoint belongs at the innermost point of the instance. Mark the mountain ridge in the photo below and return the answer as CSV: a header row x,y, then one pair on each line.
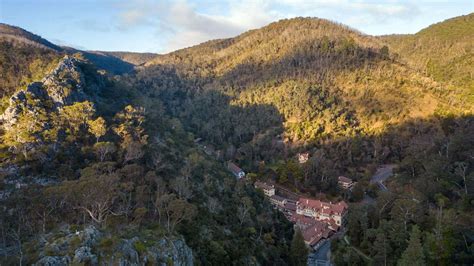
x,y
118,166
21,35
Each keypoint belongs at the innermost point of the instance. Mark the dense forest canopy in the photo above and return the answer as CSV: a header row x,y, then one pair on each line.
x,y
110,140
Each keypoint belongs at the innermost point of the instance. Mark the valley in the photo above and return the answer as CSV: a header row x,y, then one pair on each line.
x,y
302,135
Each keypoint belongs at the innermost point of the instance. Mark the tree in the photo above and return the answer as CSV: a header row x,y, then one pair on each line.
x,y
75,116
130,122
413,254
102,149
384,51
97,127
182,187
245,207
133,150
94,195
358,192
298,249
461,170
381,248
25,133
176,210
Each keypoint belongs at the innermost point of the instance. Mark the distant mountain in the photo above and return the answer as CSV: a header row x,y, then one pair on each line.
x,y
27,57
110,63
133,58
19,35
444,51
24,58
127,165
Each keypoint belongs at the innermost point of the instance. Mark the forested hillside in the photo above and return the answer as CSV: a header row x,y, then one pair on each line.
x,y
94,172
444,51
354,102
105,162
326,81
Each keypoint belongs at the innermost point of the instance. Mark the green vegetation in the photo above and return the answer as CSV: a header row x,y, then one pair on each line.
x,y
110,173
298,250
444,51
124,156
21,65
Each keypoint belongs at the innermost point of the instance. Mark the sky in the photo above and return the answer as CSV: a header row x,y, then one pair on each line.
x,y
162,26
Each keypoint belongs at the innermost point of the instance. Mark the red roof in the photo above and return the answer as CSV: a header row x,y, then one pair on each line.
x,y
302,221
322,207
315,232
234,168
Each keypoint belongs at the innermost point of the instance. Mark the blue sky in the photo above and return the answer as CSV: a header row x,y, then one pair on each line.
x,y
166,25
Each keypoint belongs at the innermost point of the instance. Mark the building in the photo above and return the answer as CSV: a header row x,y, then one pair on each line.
x,y
303,157
322,211
278,201
238,173
314,231
268,189
290,207
344,182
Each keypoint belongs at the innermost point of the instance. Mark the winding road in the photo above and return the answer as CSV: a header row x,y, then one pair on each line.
x,y
382,174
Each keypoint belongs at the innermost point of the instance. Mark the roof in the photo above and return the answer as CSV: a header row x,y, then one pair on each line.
x,y
315,232
302,221
290,206
331,224
234,168
344,179
322,207
277,198
263,185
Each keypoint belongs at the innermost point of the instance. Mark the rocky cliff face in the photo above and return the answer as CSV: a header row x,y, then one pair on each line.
x,y
87,247
63,86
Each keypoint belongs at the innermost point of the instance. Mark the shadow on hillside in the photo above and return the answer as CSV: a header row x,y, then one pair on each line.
x,y
211,114
111,64
309,62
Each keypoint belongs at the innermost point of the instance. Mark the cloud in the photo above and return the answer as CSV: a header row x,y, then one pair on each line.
x,y
185,26
183,23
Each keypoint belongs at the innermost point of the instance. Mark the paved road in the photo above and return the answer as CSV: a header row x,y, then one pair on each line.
x,y
321,256
382,174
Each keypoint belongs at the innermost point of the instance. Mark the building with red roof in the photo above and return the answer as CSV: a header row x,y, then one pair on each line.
x,y
321,210
238,173
313,230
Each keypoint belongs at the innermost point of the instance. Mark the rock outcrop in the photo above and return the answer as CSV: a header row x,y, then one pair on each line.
x,y
56,250
63,86
162,252
84,248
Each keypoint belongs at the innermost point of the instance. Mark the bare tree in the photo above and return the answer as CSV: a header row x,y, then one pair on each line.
x,y
94,195
182,187
244,209
102,149
461,170
176,210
